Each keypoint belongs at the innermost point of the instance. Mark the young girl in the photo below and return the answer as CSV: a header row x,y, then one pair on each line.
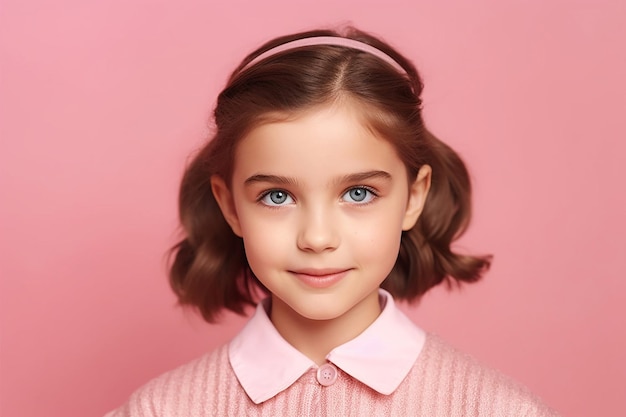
x,y
323,190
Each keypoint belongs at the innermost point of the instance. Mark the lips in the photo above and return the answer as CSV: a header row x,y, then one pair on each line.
x,y
320,278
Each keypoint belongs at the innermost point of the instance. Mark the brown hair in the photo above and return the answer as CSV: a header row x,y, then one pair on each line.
x,y
210,270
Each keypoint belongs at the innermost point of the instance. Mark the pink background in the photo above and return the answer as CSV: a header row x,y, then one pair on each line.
x,y
101,102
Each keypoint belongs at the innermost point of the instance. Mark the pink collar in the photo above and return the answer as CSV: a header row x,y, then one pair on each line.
x,y
380,357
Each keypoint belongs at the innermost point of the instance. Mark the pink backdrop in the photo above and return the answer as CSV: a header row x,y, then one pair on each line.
x,y
101,102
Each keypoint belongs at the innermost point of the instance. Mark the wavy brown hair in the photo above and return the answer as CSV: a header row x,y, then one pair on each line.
x,y
209,268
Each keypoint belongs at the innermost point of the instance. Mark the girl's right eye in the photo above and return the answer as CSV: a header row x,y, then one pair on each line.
x,y
276,198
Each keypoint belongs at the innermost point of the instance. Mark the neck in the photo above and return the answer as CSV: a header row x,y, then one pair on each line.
x,y
316,338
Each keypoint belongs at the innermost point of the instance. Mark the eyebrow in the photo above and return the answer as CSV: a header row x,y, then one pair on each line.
x,y
274,179
362,176
350,178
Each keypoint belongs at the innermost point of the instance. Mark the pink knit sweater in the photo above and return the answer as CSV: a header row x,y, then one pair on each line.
x,y
232,381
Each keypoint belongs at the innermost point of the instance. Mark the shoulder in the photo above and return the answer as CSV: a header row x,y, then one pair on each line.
x,y
457,381
180,391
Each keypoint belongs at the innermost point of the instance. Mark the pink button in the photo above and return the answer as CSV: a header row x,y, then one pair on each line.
x,y
326,374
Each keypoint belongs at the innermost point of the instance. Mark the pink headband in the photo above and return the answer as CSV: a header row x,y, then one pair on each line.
x,y
326,40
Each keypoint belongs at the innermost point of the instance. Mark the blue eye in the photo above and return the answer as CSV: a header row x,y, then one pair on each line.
x,y
359,195
276,198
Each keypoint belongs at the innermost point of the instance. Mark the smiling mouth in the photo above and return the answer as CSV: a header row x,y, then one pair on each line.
x,y
320,278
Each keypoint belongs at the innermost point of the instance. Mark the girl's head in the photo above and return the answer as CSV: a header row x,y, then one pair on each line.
x,y
314,142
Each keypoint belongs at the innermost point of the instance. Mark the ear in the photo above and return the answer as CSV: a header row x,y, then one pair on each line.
x,y
225,201
417,197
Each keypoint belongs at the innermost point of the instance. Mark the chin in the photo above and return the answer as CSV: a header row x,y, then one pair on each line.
x,y
320,312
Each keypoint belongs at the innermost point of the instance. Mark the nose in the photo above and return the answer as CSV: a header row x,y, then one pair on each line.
x,y
318,231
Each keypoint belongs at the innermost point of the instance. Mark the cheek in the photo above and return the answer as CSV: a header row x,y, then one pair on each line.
x,y
260,257
264,240
378,239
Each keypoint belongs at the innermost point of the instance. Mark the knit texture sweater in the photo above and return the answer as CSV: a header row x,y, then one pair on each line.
x,y
442,382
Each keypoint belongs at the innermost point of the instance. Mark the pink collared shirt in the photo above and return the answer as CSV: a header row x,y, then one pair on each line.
x,y
380,357
391,369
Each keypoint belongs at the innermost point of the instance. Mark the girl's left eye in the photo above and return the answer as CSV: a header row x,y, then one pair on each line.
x,y
359,195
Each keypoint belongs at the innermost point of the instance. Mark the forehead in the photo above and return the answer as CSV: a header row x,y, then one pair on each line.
x,y
320,140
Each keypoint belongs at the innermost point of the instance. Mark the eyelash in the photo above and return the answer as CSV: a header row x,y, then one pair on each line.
x,y
264,194
370,190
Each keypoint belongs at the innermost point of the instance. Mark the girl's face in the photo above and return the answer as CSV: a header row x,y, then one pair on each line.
x,y
320,202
